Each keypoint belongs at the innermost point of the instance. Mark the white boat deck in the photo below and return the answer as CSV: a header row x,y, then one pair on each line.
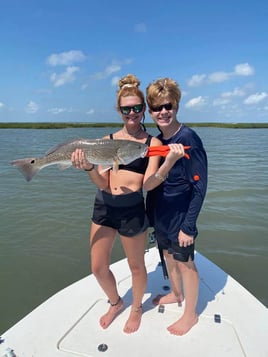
x,y
232,322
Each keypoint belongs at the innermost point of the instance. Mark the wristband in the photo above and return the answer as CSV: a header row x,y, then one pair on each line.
x,y
92,168
160,177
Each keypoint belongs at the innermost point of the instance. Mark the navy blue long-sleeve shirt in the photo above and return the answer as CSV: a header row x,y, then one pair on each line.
x,y
176,203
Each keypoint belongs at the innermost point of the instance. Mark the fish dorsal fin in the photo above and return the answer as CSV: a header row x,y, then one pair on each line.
x,y
57,147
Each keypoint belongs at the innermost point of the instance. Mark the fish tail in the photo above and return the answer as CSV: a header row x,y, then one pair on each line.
x,y
28,167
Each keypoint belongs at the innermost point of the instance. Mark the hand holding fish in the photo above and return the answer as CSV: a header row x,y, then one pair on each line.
x,y
163,150
176,152
80,161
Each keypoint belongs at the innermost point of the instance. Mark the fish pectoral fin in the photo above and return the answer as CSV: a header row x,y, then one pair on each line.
x,y
64,165
120,159
109,167
105,168
115,165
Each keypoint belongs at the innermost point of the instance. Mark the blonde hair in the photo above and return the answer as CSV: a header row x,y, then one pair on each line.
x,y
163,89
129,86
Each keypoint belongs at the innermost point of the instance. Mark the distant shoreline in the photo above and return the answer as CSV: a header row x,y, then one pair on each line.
x,y
47,125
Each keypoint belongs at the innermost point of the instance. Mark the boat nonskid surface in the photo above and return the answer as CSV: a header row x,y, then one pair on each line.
x,y
67,324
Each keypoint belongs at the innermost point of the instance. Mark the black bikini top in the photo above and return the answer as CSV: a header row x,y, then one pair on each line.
x,y
139,165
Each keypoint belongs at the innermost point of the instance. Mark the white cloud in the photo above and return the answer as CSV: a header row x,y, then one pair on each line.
x,y
230,111
32,107
65,58
84,86
220,102
113,68
255,98
114,81
196,102
244,69
197,80
90,112
141,27
2,105
65,77
237,92
218,77
56,111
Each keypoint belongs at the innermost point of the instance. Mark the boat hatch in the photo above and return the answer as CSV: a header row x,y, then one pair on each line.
x,y
86,338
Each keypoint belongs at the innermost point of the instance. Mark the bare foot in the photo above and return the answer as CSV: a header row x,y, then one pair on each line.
x,y
134,320
111,314
167,299
183,325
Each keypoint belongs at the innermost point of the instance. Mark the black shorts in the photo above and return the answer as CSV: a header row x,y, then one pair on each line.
x,y
125,213
181,254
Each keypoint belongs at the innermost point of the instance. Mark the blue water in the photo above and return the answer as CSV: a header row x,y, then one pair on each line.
x,y
45,223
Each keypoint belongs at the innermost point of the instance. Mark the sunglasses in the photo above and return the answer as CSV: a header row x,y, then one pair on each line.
x,y
167,106
136,109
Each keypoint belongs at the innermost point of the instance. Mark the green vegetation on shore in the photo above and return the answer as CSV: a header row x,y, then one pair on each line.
x,y
43,125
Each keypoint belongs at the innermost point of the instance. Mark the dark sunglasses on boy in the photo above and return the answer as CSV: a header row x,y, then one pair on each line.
x,y
127,109
167,106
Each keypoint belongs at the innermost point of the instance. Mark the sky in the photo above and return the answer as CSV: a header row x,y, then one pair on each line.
x,y
60,61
